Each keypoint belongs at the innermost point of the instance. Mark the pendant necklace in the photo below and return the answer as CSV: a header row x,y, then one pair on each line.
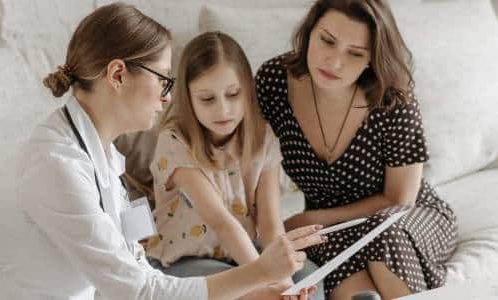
x,y
330,150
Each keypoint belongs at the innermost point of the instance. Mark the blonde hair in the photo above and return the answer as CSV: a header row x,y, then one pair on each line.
x,y
115,31
201,54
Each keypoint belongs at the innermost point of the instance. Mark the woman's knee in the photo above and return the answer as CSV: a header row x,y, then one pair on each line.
x,y
352,285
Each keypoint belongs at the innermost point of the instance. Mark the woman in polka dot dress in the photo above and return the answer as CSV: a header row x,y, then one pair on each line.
x,y
352,140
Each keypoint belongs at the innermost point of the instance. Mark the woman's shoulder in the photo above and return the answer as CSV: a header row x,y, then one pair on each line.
x,y
271,85
52,141
278,61
407,109
274,67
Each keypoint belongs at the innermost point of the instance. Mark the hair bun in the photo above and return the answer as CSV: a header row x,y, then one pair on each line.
x,y
60,81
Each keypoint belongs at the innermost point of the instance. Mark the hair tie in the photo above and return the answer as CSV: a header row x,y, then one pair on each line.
x,y
65,70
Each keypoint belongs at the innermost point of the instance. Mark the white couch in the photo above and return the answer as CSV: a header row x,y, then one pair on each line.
x,y
454,43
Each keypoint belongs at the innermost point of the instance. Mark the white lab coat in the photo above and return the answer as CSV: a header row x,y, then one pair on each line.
x,y
57,243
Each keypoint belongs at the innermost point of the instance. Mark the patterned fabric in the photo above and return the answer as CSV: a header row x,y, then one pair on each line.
x,y
182,230
417,246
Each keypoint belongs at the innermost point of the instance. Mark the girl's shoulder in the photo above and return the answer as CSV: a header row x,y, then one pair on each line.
x,y
172,147
270,136
171,138
271,152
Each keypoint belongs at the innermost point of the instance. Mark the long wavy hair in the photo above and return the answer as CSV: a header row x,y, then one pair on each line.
x,y
388,80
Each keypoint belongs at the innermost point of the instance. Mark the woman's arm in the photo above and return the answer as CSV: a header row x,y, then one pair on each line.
x,y
209,205
83,236
400,188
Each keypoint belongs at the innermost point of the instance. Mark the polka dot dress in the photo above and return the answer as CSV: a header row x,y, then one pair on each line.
x,y
417,246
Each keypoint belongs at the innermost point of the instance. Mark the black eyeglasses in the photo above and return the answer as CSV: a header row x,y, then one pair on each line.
x,y
170,81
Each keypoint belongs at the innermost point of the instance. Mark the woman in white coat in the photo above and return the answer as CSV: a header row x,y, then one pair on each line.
x,y
63,236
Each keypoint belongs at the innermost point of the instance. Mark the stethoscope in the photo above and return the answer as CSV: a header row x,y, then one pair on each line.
x,y
83,146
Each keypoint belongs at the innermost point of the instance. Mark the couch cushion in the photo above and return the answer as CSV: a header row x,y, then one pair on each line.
x,y
8,177
454,45
23,100
259,44
182,17
41,32
475,201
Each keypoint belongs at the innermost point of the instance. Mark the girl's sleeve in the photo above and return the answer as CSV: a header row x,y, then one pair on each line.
x,y
171,153
273,156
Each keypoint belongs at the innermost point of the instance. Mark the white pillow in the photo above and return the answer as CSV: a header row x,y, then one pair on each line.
x,y
263,33
182,17
454,44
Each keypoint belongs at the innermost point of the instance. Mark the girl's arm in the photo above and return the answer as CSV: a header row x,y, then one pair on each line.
x,y
268,204
279,260
209,205
270,224
400,188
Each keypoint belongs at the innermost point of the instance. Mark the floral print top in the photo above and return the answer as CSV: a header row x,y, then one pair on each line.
x,y
182,232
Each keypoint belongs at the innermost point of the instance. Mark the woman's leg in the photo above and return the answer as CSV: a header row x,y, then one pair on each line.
x,y
387,283
356,283
310,267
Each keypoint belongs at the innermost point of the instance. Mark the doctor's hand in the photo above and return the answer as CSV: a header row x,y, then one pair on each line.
x,y
303,294
282,258
273,292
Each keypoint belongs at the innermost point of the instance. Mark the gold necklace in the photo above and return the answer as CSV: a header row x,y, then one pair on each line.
x,y
331,150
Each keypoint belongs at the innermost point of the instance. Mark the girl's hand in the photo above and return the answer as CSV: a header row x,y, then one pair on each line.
x,y
281,258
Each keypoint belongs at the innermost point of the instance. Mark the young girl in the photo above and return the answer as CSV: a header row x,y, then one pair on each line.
x,y
216,164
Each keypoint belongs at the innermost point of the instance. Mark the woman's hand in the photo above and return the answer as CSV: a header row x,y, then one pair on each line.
x,y
281,258
273,292
303,294
304,219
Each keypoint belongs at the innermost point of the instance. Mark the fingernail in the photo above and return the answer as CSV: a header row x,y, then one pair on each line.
x,y
318,227
324,238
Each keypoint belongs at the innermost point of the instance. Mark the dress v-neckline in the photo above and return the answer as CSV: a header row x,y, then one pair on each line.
x,y
323,161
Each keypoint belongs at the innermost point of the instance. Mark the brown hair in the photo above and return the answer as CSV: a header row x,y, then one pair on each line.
x,y
115,31
388,80
202,53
